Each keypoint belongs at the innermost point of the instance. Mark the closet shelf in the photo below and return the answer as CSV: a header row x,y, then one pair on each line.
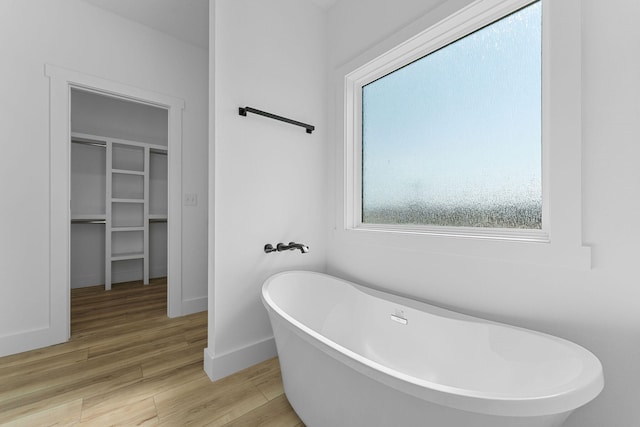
x,y
87,217
127,195
118,229
127,200
99,144
126,256
155,218
127,172
102,140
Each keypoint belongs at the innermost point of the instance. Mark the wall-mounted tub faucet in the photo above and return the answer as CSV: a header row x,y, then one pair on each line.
x,y
268,248
291,246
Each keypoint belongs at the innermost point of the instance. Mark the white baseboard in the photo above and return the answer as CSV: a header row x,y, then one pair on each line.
x,y
223,365
117,277
158,271
47,336
31,340
194,305
87,280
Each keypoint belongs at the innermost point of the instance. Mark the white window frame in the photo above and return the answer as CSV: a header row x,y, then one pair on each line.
x,y
560,239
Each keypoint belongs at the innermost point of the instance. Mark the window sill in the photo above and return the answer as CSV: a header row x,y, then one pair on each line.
x,y
528,250
521,235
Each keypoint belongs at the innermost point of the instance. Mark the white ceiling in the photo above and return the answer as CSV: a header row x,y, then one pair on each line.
x,y
187,20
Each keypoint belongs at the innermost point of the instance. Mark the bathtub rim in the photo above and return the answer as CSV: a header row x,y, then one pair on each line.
x,y
562,399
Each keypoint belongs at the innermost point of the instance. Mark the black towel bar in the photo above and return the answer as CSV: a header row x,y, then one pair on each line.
x,y
244,110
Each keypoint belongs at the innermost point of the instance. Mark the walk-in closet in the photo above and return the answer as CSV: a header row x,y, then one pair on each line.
x,y
118,189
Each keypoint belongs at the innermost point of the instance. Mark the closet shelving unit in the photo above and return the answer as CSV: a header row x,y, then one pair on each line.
x,y
126,217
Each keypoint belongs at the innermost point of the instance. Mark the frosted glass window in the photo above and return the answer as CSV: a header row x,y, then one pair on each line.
x,y
454,138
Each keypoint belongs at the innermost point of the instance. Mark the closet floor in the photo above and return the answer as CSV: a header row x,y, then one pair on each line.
x,y
127,363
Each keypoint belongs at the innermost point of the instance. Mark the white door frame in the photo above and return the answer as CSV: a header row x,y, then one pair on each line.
x,y
62,80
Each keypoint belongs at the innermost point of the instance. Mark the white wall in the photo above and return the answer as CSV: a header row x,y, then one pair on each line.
x,y
597,308
106,116
269,176
77,36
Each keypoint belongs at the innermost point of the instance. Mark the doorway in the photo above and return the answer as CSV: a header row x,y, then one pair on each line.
x,y
65,83
118,191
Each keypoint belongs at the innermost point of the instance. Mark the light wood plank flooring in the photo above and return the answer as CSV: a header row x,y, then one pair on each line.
x,y
128,364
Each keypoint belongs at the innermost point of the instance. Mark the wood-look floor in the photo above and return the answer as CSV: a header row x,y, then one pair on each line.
x,y
128,364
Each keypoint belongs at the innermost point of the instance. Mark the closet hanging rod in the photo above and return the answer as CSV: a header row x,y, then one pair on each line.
x,y
94,143
244,110
88,221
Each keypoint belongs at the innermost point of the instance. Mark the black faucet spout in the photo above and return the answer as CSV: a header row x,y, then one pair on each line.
x,y
292,246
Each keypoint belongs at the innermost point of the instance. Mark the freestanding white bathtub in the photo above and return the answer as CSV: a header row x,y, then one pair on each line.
x,y
353,356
